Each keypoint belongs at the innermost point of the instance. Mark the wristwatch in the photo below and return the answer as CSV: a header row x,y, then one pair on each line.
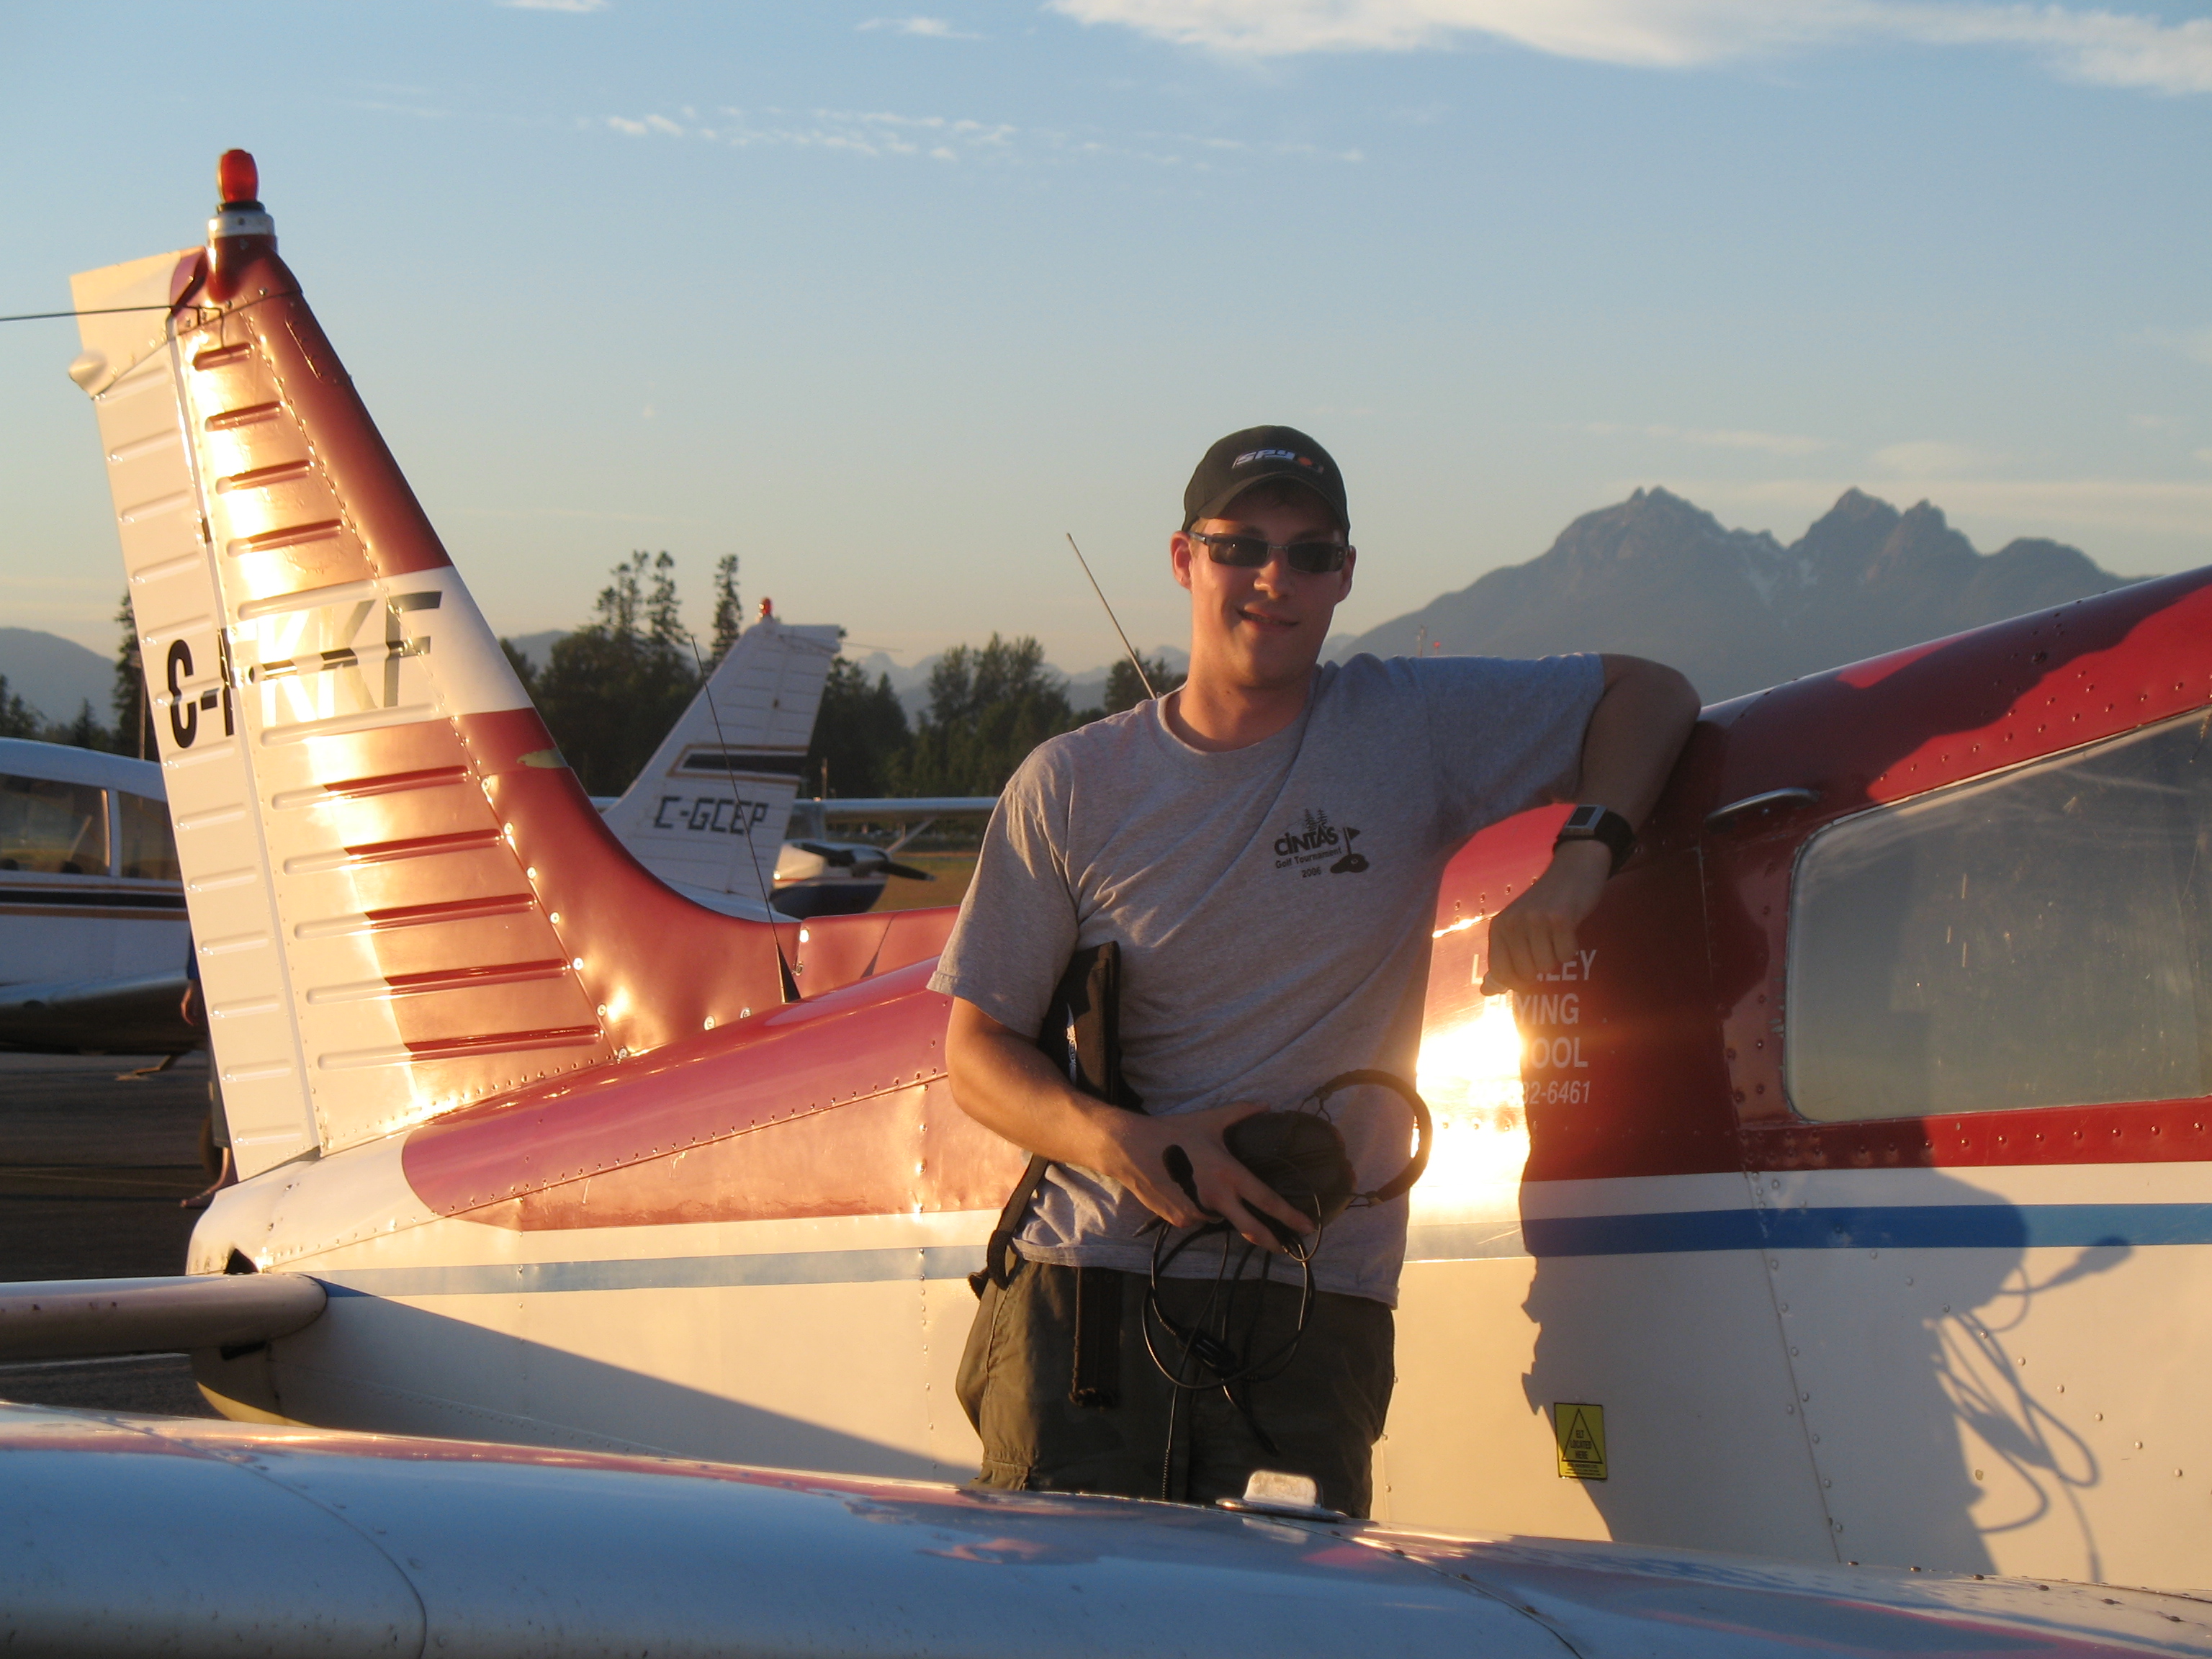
x,y
1600,824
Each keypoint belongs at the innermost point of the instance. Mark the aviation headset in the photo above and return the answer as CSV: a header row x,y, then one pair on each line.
x,y
1301,1155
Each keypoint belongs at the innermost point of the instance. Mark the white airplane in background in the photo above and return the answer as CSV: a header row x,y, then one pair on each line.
x,y
93,940
816,876
542,1158
713,814
707,812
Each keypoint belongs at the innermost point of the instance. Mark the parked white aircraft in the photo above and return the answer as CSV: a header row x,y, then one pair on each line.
x,y
93,936
1864,1201
713,814
707,812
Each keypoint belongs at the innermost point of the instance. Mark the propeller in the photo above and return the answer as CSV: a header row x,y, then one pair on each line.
x,y
862,860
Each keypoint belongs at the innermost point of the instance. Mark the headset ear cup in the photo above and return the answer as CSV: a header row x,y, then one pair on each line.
x,y
1300,1155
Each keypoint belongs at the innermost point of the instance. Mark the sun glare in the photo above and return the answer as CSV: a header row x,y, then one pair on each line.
x,y
1469,1073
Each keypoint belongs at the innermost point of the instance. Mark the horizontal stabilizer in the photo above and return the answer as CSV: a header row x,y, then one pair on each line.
x,y
86,1318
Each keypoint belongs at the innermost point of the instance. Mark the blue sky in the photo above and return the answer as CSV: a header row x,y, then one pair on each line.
x,y
885,301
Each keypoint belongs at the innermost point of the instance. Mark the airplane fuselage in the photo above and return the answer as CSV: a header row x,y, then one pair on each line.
x,y
1948,1335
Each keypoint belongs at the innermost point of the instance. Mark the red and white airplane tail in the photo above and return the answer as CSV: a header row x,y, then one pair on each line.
x,y
402,899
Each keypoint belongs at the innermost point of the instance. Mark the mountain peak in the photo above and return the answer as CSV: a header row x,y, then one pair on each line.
x,y
1655,575
1920,541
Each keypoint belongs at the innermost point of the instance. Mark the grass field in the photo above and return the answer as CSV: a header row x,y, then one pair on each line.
x,y
952,870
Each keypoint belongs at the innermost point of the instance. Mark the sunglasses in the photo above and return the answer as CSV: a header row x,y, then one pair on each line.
x,y
1251,552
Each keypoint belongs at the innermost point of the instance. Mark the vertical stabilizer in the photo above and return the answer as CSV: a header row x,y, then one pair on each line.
x,y
401,899
709,809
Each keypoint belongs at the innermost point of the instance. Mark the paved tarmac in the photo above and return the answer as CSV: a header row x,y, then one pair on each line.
x,y
91,1169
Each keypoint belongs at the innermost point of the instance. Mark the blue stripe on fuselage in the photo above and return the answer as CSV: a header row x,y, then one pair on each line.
x,y
1934,1227
1925,1227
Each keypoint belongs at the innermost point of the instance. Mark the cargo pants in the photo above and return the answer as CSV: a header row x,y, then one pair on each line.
x,y
1324,1412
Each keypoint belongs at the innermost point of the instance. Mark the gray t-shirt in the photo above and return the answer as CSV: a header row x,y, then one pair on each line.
x,y
1273,906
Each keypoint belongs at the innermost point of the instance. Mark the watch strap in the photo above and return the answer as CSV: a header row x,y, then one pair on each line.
x,y
1603,824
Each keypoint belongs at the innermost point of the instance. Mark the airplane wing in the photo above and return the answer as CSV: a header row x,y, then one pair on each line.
x,y
138,1015
87,1318
902,809
180,1536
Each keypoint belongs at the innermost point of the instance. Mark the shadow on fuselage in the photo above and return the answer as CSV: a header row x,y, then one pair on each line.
x,y
1806,1402
383,1366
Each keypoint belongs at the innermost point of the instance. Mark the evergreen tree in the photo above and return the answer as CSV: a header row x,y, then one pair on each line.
x,y
524,671
987,709
85,732
1124,690
664,610
134,716
610,690
729,610
17,718
860,734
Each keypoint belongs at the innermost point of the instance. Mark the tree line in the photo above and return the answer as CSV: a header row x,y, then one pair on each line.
x,y
132,731
609,691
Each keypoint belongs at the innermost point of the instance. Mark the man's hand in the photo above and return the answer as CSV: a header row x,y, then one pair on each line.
x,y
1226,1187
1535,933
1001,1081
1635,733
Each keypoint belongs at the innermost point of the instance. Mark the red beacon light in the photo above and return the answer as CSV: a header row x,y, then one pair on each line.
x,y
768,609
238,179
240,219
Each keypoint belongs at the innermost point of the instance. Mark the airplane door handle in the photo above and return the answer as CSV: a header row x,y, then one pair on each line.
x,y
1769,800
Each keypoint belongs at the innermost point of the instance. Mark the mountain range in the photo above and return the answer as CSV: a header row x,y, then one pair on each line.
x,y
1735,610
55,676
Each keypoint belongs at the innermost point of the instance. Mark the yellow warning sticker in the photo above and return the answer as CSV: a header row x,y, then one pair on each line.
x,y
1580,1431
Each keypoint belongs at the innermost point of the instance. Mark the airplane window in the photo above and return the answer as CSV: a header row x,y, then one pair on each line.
x,y
60,829
2039,939
149,845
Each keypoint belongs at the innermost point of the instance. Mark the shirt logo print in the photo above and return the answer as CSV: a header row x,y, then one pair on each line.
x,y
1312,840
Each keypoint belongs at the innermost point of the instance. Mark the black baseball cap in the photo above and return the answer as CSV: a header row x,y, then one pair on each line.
x,y
1254,456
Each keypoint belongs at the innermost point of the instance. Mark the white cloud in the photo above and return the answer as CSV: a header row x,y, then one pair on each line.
x,y
931,28
555,5
2205,456
2117,49
2197,343
1771,443
947,138
1929,458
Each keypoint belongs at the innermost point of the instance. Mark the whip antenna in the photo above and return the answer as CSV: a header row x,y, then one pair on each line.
x,y
1135,661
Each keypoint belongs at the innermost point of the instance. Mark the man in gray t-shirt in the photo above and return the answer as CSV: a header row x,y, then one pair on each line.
x,y
1263,845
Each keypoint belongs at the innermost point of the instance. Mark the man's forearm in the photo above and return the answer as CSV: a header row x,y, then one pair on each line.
x,y
1007,1086
1634,735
